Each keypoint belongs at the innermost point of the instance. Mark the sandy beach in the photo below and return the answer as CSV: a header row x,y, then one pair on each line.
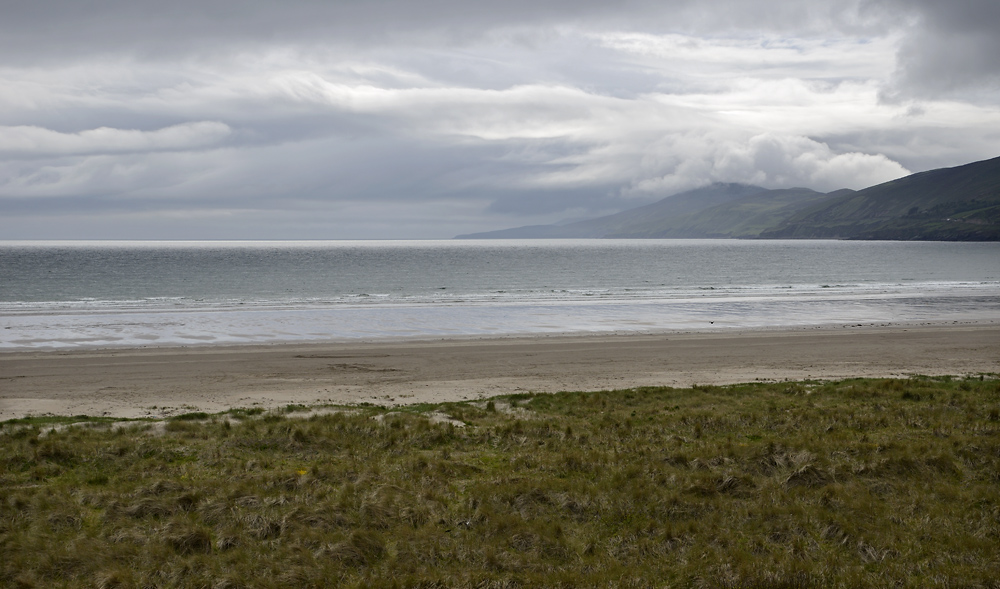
x,y
165,381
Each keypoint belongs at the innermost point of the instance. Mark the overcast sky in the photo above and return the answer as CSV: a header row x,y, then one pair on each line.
x,y
347,119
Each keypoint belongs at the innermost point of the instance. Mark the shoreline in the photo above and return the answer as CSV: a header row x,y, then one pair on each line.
x,y
721,329
181,327
163,381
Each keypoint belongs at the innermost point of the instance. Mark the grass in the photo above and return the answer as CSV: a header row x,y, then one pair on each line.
x,y
836,484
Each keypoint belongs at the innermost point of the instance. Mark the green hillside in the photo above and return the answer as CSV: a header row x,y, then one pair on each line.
x,y
961,203
670,214
745,217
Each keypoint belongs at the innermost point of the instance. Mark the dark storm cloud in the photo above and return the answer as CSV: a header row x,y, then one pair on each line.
x,y
945,46
951,49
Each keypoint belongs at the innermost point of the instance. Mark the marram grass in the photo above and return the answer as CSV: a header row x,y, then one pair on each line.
x,y
857,483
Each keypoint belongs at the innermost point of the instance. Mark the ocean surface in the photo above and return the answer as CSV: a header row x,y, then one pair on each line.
x,y
107,294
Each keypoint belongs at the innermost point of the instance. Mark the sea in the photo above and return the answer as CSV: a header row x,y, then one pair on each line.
x,y
101,294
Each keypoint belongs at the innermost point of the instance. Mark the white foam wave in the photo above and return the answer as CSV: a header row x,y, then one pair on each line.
x,y
510,297
264,324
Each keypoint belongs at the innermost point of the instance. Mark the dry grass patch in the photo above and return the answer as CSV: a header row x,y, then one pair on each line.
x,y
837,484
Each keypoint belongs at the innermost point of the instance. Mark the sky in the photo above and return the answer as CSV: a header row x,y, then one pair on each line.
x,y
403,119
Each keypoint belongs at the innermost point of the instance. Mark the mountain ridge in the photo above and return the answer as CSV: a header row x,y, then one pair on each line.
x,y
958,203
954,204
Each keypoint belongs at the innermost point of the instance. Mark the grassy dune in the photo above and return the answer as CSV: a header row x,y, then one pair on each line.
x,y
834,484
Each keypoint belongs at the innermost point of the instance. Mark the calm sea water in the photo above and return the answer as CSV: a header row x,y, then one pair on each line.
x,y
67,294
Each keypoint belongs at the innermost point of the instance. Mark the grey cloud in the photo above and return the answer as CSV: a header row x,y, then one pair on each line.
x,y
46,28
951,49
149,27
921,145
387,170
946,46
24,141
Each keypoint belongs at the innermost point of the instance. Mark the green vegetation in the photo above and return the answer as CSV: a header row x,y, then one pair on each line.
x,y
835,484
745,217
961,203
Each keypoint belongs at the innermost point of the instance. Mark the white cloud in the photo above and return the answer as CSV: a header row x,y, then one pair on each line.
x,y
37,141
765,55
770,160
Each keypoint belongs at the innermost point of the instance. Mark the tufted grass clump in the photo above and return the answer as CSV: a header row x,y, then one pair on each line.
x,y
854,483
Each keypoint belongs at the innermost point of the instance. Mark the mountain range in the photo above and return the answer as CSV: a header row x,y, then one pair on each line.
x,y
947,204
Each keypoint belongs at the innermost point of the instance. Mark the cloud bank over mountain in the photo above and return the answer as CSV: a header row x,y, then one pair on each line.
x,y
395,119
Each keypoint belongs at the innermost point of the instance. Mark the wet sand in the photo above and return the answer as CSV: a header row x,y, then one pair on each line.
x,y
166,381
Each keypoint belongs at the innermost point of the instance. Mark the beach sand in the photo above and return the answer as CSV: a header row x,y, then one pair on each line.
x,y
160,382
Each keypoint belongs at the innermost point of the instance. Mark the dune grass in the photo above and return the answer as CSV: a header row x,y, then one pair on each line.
x,y
856,483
